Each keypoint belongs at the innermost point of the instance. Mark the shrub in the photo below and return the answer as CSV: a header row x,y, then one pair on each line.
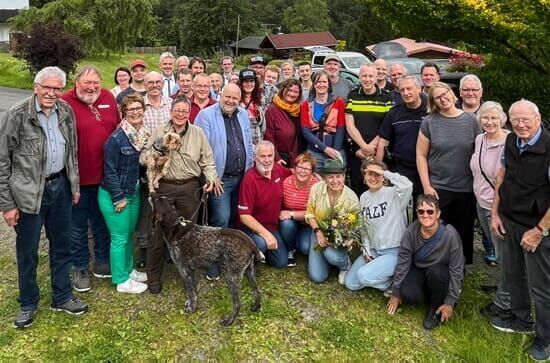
x,y
48,44
508,80
464,62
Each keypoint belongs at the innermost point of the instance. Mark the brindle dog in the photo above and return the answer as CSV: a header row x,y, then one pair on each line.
x,y
195,247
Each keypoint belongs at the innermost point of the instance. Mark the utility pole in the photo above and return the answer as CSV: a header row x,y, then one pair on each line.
x,y
238,29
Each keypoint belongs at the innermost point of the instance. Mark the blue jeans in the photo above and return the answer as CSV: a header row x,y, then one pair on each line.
x,y
88,209
319,262
278,257
502,297
377,273
55,216
224,208
296,235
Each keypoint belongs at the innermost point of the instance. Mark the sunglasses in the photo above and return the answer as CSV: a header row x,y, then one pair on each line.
x,y
425,211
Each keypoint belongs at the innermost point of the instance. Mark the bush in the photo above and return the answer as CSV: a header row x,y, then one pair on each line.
x,y
48,44
507,80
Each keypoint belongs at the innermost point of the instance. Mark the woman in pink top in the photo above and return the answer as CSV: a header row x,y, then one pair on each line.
x,y
293,228
485,164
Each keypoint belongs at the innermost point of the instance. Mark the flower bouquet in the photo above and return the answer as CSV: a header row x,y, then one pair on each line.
x,y
341,229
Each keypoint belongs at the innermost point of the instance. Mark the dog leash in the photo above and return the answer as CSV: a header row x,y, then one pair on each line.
x,y
204,204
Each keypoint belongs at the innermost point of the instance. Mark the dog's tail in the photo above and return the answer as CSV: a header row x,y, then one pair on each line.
x,y
260,257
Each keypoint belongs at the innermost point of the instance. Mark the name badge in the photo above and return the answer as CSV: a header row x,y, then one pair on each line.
x,y
277,180
103,106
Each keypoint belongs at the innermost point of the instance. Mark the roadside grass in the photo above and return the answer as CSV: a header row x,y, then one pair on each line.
x,y
298,321
15,74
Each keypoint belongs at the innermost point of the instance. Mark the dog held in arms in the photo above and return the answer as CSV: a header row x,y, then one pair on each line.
x,y
158,157
195,247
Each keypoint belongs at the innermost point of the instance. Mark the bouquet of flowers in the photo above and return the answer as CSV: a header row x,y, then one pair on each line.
x,y
341,229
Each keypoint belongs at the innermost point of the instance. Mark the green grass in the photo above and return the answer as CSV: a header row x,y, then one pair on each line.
x,y
298,321
15,74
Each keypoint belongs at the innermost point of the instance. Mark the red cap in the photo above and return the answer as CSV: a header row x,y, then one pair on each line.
x,y
138,62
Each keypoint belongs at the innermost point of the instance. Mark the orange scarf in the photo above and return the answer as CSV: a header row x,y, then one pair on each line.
x,y
292,108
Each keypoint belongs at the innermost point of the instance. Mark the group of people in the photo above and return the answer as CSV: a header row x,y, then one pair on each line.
x,y
277,151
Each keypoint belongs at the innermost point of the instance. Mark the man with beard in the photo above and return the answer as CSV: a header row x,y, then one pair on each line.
x,y
260,201
139,70
97,116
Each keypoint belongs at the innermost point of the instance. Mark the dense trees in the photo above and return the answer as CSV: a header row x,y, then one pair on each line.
x,y
306,16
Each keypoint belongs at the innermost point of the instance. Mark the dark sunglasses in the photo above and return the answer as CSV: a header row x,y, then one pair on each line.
x,y
427,211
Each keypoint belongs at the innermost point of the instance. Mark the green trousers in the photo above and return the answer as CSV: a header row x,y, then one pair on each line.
x,y
121,226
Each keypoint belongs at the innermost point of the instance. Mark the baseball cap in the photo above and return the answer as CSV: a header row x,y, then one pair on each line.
x,y
138,62
257,59
247,74
331,57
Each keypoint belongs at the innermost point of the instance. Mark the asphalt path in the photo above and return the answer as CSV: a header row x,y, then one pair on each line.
x,y
9,96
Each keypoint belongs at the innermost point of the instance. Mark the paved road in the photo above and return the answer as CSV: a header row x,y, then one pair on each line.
x,y
8,96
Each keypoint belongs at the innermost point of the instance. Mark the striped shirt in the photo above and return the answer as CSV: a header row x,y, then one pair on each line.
x,y
295,199
368,111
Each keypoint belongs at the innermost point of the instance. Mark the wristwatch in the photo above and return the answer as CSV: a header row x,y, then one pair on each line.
x,y
316,229
543,231
291,214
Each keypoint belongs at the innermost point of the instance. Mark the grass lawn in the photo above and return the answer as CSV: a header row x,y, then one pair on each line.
x,y
298,321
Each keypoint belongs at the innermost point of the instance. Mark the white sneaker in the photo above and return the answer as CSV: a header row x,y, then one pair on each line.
x,y
131,287
138,276
342,277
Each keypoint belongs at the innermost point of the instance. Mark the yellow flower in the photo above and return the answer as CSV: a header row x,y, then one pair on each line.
x,y
352,218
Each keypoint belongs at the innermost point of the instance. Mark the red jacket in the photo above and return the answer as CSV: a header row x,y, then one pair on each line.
x,y
94,124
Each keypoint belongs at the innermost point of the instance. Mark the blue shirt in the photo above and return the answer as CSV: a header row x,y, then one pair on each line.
x,y
55,160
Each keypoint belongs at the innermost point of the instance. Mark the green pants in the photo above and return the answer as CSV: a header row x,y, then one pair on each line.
x,y
121,226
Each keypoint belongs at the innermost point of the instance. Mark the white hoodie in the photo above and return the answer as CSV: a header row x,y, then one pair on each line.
x,y
384,214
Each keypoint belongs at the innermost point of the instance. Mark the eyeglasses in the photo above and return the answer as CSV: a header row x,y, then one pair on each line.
x,y
474,90
49,89
421,212
492,118
301,168
524,120
135,109
96,113
442,95
201,86
180,111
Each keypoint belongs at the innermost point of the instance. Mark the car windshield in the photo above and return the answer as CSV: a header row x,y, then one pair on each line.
x,y
354,61
388,50
412,66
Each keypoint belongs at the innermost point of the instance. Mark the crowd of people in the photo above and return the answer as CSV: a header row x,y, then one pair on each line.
x,y
277,151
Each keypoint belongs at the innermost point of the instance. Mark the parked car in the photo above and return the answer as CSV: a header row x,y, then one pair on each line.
x,y
392,53
351,61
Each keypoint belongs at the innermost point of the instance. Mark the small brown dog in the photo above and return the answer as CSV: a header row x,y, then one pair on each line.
x,y
157,159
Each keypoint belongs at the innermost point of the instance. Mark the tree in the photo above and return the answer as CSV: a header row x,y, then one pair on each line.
x,y
48,44
514,28
103,25
306,16
205,26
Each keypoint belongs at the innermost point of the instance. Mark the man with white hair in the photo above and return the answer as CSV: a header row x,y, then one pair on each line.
x,y
397,70
97,116
166,64
260,201
471,92
38,184
521,216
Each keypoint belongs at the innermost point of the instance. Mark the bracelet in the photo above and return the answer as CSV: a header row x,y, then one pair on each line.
x,y
292,215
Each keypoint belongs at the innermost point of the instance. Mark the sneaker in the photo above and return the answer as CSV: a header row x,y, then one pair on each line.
x,y
342,277
432,320
539,352
511,325
73,306
493,310
138,276
154,289
102,271
387,293
212,278
491,259
80,280
291,259
131,286
24,319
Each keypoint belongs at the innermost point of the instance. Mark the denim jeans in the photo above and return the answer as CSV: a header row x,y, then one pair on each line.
x,y
223,208
377,273
55,216
502,297
296,235
278,257
87,209
320,261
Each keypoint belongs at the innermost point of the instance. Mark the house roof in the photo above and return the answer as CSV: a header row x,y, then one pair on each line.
x,y
5,14
413,47
298,40
248,43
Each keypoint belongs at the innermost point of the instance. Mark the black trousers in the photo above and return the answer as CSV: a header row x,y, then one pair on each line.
x,y
426,285
459,210
526,273
356,180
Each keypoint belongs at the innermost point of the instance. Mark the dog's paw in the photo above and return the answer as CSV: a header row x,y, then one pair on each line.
x,y
227,321
255,307
189,307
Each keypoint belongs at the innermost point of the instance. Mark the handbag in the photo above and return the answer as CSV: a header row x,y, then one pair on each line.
x,y
425,250
481,169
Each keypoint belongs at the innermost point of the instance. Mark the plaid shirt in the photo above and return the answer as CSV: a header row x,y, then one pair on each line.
x,y
154,117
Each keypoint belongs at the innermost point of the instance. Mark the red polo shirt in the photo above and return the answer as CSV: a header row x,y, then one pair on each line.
x,y
93,126
195,109
261,197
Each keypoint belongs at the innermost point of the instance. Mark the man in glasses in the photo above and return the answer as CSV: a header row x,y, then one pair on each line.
x,y
521,216
97,116
470,93
430,266
38,184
